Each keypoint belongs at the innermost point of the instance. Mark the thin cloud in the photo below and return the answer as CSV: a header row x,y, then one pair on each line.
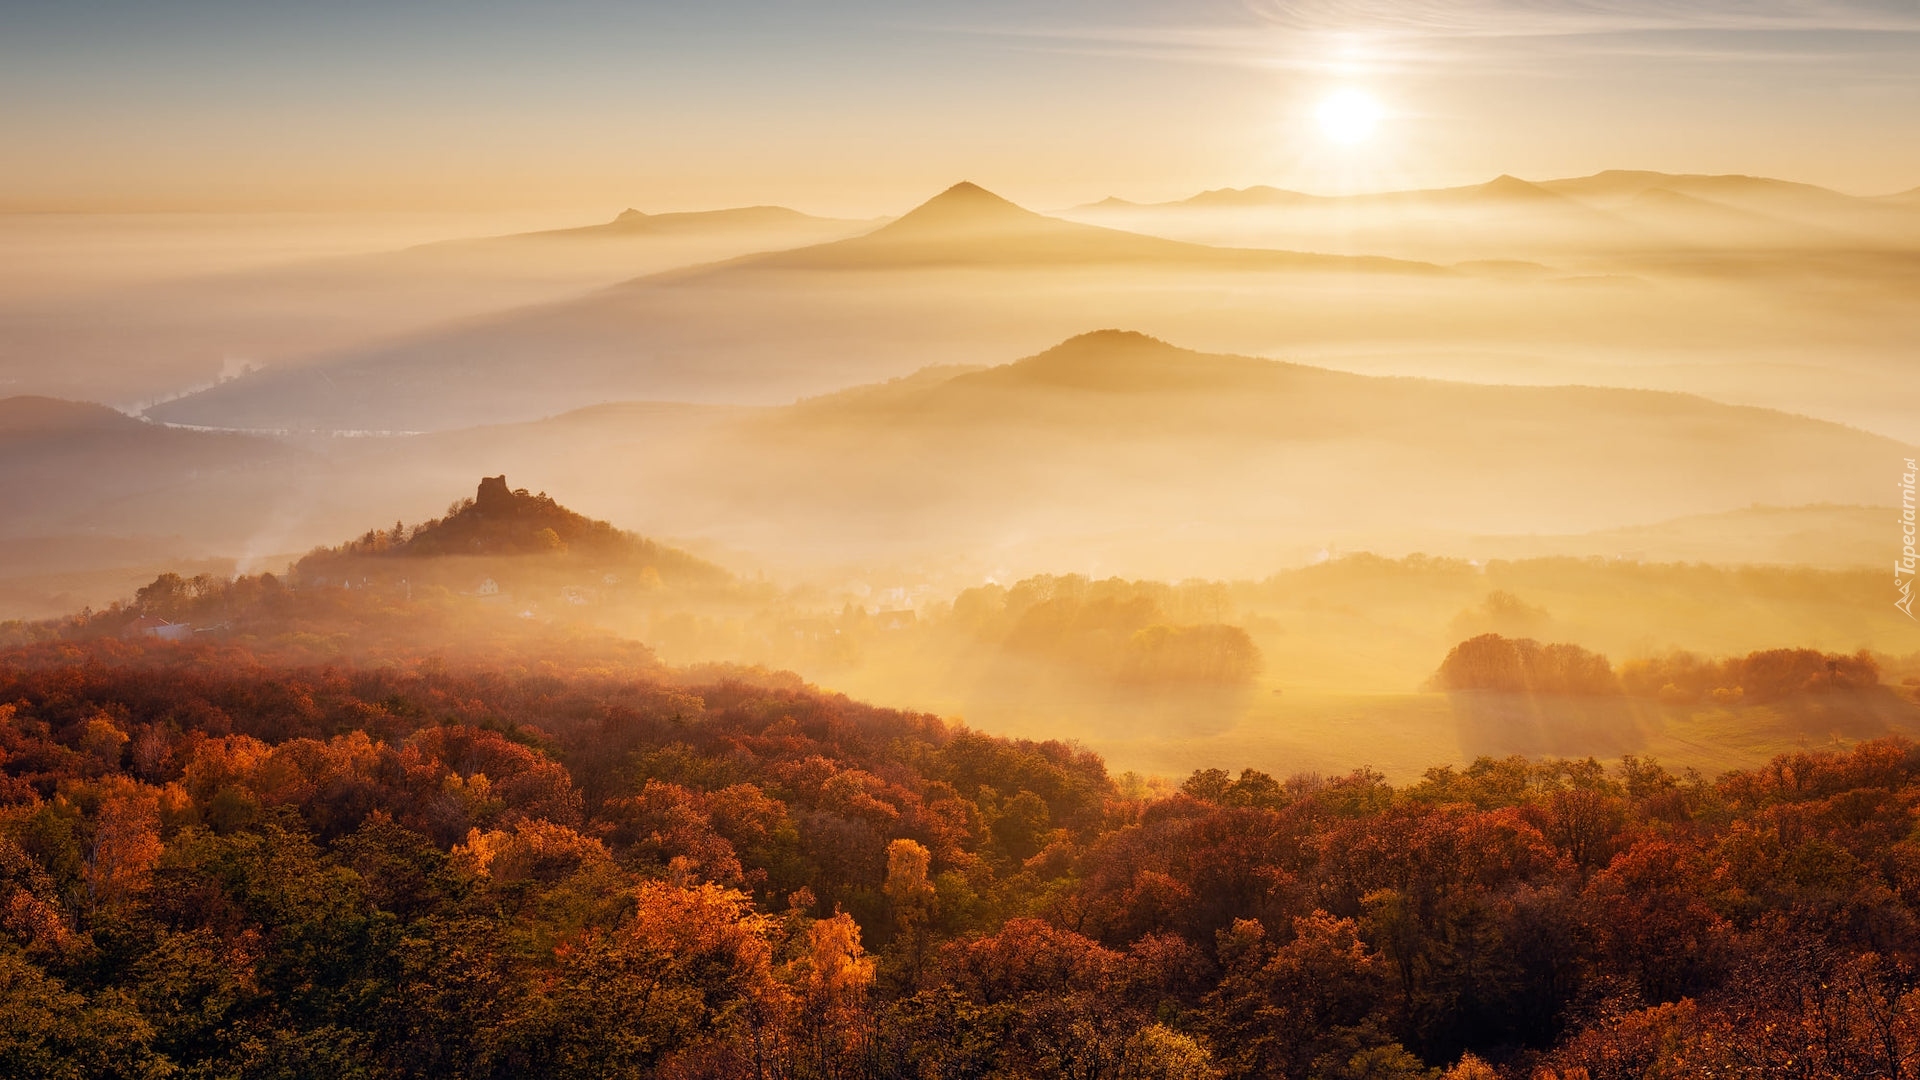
x,y
1403,34
1559,18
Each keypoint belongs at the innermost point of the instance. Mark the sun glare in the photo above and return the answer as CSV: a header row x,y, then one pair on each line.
x,y
1348,116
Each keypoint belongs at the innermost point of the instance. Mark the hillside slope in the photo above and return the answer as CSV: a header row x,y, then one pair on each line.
x,y
1118,451
142,341
69,466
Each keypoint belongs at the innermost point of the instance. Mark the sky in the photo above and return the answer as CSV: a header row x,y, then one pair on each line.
x,y
860,107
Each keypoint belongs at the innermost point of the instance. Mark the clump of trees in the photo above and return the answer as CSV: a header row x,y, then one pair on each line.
x,y
1523,665
1138,632
1757,678
1493,662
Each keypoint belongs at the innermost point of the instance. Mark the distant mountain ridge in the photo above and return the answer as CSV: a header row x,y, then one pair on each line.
x,y
151,340
706,332
1117,447
969,225
1633,181
1629,208
1112,445
968,273
1112,363
70,465
1503,186
29,414
1611,182
631,222
1808,535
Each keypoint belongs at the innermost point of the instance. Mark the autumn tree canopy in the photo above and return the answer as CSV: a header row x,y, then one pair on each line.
x,y
221,861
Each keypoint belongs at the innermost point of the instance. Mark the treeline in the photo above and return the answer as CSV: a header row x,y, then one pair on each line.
x,y
1124,631
216,864
1522,665
1757,678
265,621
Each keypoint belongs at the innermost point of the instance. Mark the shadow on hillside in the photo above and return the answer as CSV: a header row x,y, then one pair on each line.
x,y
1864,713
1499,723
1061,706
1541,725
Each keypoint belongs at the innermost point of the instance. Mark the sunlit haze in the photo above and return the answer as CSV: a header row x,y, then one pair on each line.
x,y
919,540
430,104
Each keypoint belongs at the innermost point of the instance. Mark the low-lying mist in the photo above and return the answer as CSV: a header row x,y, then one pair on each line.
x,y
1215,481
1355,659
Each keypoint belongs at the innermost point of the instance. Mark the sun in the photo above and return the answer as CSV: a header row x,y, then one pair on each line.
x,y
1348,116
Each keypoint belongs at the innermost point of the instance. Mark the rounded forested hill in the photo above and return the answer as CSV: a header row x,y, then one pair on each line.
x,y
499,521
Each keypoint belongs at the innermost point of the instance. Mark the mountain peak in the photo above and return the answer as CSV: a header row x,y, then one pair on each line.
x,y
1116,360
1506,186
1110,339
1258,195
969,193
964,207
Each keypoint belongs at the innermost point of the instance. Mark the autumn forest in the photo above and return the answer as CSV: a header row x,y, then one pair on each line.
x,y
249,853
920,540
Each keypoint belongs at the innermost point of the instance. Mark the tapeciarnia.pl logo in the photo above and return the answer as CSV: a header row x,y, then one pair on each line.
x,y
1903,567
